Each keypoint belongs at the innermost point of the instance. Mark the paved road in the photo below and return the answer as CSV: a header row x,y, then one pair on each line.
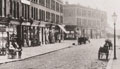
x,y
76,57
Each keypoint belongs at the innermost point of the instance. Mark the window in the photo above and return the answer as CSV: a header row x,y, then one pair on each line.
x,y
40,14
17,10
89,13
79,12
52,4
48,3
0,7
4,7
36,13
47,16
83,12
52,17
32,12
61,8
28,11
25,11
57,6
61,19
79,21
42,2
57,19
43,15
36,1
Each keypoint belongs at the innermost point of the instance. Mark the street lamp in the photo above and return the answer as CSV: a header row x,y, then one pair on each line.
x,y
114,19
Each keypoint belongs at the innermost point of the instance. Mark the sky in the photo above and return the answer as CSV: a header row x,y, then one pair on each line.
x,y
110,6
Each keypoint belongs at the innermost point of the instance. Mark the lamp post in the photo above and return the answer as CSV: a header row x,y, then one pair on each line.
x,y
114,18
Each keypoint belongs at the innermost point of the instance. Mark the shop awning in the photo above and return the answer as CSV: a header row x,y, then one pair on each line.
x,y
70,27
63,29
25,2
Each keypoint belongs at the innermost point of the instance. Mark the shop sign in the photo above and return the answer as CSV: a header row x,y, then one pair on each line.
x,y
42,25
9,29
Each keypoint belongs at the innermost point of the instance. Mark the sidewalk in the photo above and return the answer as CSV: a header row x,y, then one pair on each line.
x,y
34,51
115,64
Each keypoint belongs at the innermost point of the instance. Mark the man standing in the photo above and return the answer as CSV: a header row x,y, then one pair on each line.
x,y
19,47
59,37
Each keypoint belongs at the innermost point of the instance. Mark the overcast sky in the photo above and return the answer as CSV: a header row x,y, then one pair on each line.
x,y
109,6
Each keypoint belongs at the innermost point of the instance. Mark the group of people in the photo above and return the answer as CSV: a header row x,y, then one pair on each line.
x,y
14,47
108,44
105,49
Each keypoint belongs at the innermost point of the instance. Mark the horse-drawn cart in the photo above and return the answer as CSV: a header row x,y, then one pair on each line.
x,y
83,40
103,51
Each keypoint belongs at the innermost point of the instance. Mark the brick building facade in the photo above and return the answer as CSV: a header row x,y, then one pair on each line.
x,y
31,20
89,22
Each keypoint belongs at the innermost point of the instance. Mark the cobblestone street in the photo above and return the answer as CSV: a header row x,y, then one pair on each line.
x,y
75,57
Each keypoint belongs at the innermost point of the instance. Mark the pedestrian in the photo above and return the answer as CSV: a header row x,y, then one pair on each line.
x,y
59,38
109,44
20,44
11,49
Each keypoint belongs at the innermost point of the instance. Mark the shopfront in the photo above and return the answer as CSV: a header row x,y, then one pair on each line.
x,y
8,31
71,32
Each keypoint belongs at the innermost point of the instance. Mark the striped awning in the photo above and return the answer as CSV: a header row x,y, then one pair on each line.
x,y
63,29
